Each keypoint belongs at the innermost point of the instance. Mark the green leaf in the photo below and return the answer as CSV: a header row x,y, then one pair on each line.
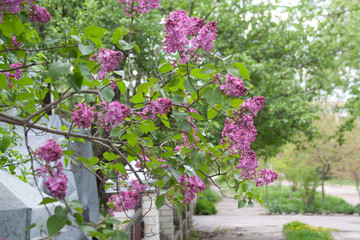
x,y
3,81
159,202
177,99
55,223
179,209
108,93
236,103
85,50
5,142
137,98
92,161
197,158
197,73
119,235
242,70
75,80
208,69
25,81
233,71
120,168
179,116
211,113
48,200
165,67
50,40
148,126
212,96
110,156
241,203
126,46
85,71
196,116
121,85
57,70
160,183
94,31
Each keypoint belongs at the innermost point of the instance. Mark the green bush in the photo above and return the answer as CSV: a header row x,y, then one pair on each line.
x,y
211,196
204,207
297,230
285,200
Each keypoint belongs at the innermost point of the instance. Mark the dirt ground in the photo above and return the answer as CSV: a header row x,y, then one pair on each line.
x,y
248,223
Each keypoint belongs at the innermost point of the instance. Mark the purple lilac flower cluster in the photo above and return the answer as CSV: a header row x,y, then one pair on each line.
x,y
233,86
160,106
112,114
38,14
50,152
82,115
134,7
108,59
52,171
126,200
185,140
238,133
17,75
185,35
265,176
190,186
55,180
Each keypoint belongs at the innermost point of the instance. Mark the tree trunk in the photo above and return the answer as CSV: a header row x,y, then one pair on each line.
x,y
357,180
325,171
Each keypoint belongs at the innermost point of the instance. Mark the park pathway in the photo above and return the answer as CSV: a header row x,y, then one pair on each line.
x,y
231,223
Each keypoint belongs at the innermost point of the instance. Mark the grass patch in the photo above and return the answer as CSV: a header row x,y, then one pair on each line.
x,y
285,200
297,230
336,181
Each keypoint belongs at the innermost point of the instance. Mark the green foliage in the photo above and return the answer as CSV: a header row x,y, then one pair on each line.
x,y
285,200
297,230
211,196
204,207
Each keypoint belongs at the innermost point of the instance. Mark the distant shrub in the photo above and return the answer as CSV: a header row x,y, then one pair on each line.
x,y
204,207
211,196
285,200
297,230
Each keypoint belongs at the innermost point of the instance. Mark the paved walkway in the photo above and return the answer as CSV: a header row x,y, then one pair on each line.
x,y
248,223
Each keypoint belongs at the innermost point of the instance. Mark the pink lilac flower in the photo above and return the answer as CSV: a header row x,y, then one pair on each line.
x,y
83,115
239,133
135,7
113,114
17,75
38,14
135,186
56,182
108,59
190,186
152,109
248,164
141,163
185,36
254,105
124,201
265,177
216,78
14,42
12,6
55,179
233,86
50,152
113,84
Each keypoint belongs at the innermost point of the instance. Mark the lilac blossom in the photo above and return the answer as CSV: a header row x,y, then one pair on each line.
x,y
190,186
55,180
185,36
254,105
134,7
113,114
38,14
234,86
108,59
83,115
265,177
50,152
152,109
